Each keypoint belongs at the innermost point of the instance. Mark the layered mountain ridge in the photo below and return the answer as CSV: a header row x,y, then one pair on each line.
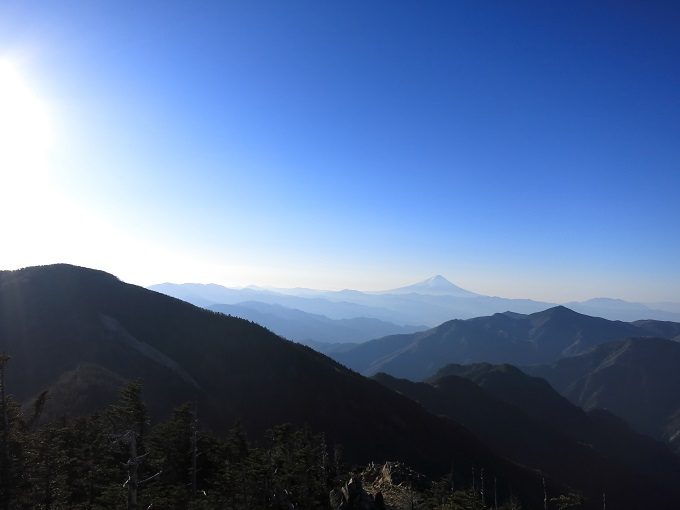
x,y
429,303
70,330
635,378
81,333
523,418
435,285
518,339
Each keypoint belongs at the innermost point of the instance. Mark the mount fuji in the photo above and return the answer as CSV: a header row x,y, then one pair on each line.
x,y
324,316
436,285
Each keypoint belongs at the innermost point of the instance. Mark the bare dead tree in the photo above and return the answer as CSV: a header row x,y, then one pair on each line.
x,y
133,482
194,450
5,459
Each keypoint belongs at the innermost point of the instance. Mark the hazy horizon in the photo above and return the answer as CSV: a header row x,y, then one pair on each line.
x,y
382,290
521,150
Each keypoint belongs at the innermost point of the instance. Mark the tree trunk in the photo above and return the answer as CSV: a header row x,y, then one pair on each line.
x,y
5,482
133,475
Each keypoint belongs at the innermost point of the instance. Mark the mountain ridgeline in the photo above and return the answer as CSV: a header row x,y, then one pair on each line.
x,y
73,330
518,339
82,333
308,327
430,302
596,363
524,419
635,378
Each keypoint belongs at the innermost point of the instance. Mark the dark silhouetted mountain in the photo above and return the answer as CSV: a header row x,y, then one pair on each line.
x,y
501,338
70,329
636,378
661,329
533,395
326,348
577,451
302,326
599,428
81,332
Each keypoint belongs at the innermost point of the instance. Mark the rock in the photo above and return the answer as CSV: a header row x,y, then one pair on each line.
x,y
380,487
352,496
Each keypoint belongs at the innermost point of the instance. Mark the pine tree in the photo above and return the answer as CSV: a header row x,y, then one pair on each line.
x,y
12,430
131,413
170,446
5,457
129,420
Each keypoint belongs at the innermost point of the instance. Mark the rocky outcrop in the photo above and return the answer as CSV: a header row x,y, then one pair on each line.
x,y
380,487
352,496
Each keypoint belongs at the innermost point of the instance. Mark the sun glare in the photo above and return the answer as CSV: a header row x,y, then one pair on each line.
x,y
28,207
25,134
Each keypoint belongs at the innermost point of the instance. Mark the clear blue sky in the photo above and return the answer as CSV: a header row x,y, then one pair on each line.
x,y
520,149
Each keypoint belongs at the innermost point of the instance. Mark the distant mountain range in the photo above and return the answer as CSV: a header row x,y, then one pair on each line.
x,y
434,286
540,428
638,379
629,369
617,309
311,328
81,333
518,339
548,334
429,303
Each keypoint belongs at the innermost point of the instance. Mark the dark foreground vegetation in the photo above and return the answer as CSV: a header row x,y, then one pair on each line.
x,y
115,459
81,333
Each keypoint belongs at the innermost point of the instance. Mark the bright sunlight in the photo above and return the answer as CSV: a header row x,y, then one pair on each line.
x,y
25,134
28,214
40,224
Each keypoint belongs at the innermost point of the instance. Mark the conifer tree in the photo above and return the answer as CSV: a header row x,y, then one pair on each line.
x,y
12,427
170,446
130,420
130,413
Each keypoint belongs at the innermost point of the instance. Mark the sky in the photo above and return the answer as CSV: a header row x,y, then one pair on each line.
x,y
523,149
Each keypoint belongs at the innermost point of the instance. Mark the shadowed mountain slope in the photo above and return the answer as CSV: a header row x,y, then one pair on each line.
x,y
302,326
68,327
597,427
530,440
636,378
501,338
661,329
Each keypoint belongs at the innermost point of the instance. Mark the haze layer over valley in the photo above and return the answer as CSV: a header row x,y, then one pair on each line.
x,y
586,350
81,334
350,316
297,169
